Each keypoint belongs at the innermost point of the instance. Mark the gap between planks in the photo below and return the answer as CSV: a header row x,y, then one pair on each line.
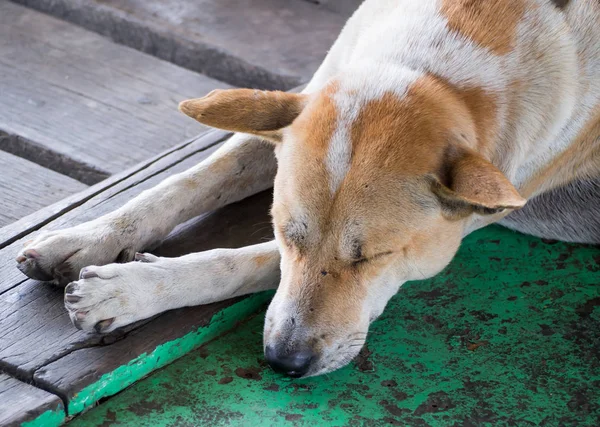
x,y
19,229
50,159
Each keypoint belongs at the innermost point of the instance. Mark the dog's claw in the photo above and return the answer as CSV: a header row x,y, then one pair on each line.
x,y
103,325
145,257
29,267
77,318
87,274
31,253
70,298
97,302
71,288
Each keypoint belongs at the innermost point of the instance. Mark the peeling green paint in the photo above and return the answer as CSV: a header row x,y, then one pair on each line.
x,y
50,418
122,377
509,334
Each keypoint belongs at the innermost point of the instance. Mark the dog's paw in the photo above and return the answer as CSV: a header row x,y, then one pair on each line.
x,y
108,297
58,256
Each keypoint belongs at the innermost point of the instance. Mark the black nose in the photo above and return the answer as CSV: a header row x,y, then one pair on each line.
x,y
295,364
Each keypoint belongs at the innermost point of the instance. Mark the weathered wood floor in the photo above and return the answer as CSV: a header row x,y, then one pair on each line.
x,y
87,123
94,106
26,187
21,401
270,44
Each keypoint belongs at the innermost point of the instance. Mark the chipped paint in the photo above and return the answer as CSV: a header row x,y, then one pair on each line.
x,y
122,377
509,334
50,418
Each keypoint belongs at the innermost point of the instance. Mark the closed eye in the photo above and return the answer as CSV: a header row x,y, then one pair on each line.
x,y
357,262
364,260
294,233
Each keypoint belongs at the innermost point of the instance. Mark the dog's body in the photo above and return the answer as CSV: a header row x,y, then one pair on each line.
x,y
427,120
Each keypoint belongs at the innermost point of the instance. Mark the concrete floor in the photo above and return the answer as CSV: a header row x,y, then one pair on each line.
x,y
509,334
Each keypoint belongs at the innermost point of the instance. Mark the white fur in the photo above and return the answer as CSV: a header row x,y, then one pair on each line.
x,y
138,290
340,148
384,47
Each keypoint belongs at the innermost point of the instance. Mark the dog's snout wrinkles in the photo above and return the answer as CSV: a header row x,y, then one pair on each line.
x,y
294,364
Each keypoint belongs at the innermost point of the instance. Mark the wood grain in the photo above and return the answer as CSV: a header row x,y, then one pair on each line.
x,y
84,97
269,44
20,402
26,187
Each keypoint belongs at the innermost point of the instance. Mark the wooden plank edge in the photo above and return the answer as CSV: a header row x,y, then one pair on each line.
x,y
126,29
51,418
50,159
17,230
23,404
113,382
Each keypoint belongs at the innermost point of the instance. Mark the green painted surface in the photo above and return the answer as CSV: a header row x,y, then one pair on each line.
x,y
125,375
50,418
509,334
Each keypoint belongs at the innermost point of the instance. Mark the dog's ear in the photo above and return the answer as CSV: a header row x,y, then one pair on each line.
x,y
469,183
262,113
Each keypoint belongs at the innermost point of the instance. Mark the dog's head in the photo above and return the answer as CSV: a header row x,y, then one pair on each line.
x,y
374,188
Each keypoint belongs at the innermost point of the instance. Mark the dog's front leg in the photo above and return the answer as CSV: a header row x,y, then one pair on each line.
x,y
243,166
114,295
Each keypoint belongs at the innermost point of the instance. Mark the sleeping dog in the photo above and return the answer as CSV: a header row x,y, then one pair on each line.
x,y
427,120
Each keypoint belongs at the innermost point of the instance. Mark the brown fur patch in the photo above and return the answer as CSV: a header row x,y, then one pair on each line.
x,y
304,175
474,180
246,110
491,24
261,260
406,136
347,295
317,123
315,293
483,108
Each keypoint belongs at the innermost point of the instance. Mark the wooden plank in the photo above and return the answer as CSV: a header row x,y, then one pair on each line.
x,y
26,187
46,157
34,326
81,96
20,402
78,369
271,44
345,7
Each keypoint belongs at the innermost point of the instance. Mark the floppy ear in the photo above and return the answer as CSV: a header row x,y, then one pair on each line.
x,y
262,113
469,183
